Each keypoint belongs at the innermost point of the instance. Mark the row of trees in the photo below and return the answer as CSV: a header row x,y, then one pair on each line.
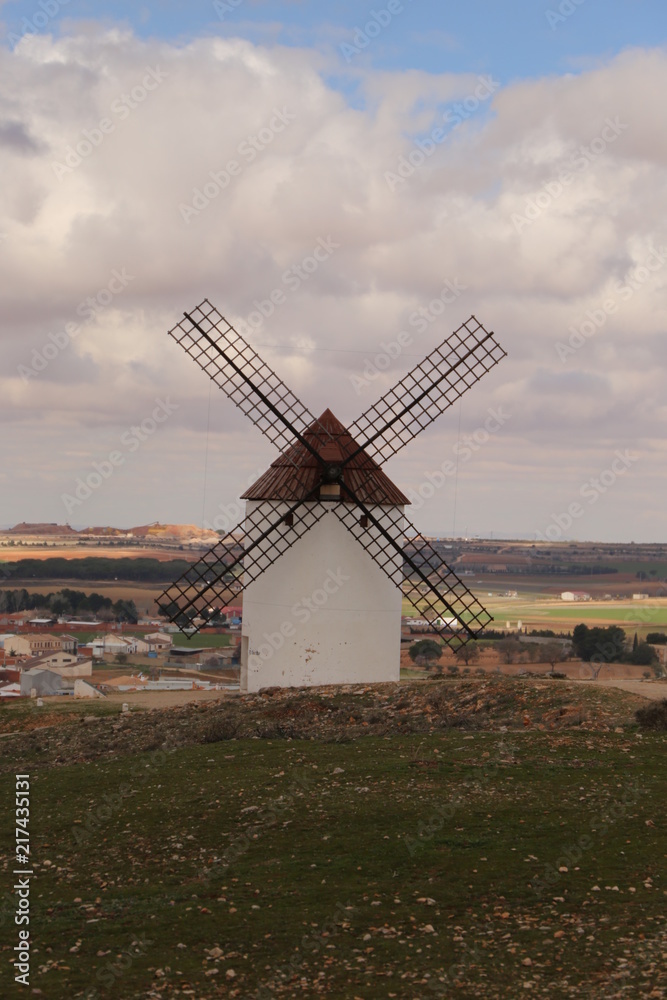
x,y
427,652
68,602
610,645
595,646
96,568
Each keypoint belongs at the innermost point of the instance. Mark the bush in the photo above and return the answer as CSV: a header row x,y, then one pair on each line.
x,y
657,638
557,676
219,729
425,651
642,655
653,716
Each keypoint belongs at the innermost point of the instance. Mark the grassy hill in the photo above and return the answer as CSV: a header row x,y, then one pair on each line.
x,y
357,842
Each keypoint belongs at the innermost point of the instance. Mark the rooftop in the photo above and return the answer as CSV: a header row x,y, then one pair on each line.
x,y
296,473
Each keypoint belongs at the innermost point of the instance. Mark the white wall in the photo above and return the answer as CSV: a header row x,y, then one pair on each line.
x,y
351,631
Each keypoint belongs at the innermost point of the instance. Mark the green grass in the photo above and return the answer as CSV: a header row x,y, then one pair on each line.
x,y
457,839
204,639
636,611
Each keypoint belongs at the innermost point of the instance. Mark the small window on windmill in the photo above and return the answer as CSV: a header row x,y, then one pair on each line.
x,y
288,520
363,521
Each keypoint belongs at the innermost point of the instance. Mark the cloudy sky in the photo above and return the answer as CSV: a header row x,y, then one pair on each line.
x,y
502,160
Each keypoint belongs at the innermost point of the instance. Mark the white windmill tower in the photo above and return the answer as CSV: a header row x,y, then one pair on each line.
x,y
328,609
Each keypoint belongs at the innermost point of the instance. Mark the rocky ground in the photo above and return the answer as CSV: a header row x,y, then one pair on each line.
x,y
337,714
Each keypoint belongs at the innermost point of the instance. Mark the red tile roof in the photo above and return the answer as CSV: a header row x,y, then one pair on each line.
x,y
282,481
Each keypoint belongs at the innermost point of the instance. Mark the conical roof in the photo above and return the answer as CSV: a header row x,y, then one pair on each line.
x,y
296,473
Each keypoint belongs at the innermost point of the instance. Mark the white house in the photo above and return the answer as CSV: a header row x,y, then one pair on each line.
x,y
575,595
113,644
65,664
324,612
160,641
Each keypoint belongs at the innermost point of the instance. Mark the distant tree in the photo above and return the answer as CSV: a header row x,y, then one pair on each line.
x,y
468,653
635,643
657,638
552,653
426,652
643,655
59,606
126,611
508,649
599,645
532,651
121,657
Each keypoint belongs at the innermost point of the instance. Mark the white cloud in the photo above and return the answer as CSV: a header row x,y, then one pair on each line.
x,y
324,175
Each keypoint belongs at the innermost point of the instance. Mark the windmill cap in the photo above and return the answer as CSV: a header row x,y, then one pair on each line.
x,y
295,474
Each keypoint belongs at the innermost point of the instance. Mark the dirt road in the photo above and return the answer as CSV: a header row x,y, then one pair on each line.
x,y
653,690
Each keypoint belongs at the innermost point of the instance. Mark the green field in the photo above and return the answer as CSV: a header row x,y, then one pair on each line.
x,y
631,613
484,865
204,639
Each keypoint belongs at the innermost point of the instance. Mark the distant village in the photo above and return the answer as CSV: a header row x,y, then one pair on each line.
x,y
41,657
83,651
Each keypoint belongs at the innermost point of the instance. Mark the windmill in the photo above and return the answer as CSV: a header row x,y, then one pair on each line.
x,y
328,609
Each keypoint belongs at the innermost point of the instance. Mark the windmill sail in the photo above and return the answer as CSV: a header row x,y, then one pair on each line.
x,y
231,564
433,589
427,391
239,371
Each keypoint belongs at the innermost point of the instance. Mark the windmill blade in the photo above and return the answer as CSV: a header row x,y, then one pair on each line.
x,y
432,587
239,371
227,568
427,391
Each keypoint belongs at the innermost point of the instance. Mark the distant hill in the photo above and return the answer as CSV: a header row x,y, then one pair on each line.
x,y
41,529
181,531
155,531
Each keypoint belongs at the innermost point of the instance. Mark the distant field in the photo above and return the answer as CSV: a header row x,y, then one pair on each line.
x,y
203,639
541,609
639,612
